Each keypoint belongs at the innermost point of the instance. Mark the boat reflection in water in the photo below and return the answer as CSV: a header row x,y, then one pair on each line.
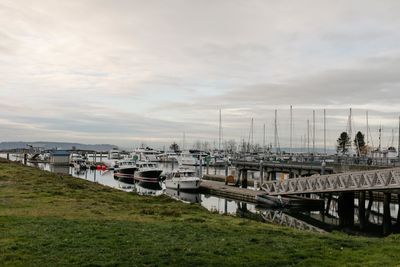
x,y
149,189
183,196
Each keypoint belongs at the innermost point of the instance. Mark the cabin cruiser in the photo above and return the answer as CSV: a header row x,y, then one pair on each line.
x,y
125,166
182,179
147,154
114,154
77,161
147,172
187,159
124,171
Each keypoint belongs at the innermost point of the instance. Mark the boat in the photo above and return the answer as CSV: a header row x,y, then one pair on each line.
x,y
124,171
147,172
146,154
187,159
182,179
78,162
289,201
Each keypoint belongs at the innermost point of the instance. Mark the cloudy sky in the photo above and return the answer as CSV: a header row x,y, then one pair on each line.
x,y
126,72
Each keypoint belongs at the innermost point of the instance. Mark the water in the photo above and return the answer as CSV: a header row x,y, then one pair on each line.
x,y
317,221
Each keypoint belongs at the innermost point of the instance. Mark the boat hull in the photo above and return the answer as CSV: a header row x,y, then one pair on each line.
x,y
148,176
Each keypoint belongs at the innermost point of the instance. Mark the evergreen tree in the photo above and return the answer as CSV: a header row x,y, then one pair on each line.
x,y
360,145
343,143
174,147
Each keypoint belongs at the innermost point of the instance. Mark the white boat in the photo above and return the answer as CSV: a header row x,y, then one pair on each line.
x,y
114,154
182,179
146,154
187,159
78,161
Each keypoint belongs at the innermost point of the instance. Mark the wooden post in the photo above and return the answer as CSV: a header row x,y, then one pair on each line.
x,y
261,173
361,209
346,209
398,212
207,166
201,167
328,203
8,156
244,180
226,168
387,219
370,201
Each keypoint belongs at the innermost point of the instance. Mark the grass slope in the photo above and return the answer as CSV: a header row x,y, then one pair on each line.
x,y
52,220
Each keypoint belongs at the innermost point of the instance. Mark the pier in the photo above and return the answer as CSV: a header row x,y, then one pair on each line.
x,y
232,192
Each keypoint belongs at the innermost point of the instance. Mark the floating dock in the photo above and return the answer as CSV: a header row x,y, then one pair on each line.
x,y
229,191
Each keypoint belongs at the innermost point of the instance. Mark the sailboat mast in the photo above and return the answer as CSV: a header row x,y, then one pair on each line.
x,y
313,134
264,139
291,129
276,132
220,130
367,130
325,131
308,136
398,144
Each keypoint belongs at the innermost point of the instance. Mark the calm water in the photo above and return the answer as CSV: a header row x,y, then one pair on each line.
x,y
301,219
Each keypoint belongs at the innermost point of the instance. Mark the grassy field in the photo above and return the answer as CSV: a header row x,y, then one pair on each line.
x,y
52,220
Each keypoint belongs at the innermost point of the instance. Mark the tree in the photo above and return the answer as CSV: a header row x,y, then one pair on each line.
x,y
359,143
174,147
343,143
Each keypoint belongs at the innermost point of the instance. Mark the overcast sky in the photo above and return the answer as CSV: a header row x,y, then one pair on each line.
x,y
126,72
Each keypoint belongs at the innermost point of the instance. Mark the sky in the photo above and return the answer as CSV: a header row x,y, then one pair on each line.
x,y
128,72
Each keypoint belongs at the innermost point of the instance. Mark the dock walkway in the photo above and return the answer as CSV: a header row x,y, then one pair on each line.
x,y
229,191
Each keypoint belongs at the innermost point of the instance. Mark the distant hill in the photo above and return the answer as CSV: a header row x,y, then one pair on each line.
x,y
53,145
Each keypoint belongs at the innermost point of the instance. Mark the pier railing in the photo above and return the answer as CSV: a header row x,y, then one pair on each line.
x,y
386,179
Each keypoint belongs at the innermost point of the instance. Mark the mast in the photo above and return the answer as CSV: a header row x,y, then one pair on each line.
x,y
308,136
291,129
252,132
398,144
325,131
313,134
367,132
220,130
276,132
264,139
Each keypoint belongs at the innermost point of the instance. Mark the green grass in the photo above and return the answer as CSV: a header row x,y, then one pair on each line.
x,y
52,220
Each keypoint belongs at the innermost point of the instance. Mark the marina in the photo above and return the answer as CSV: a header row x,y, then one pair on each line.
x,y
315,210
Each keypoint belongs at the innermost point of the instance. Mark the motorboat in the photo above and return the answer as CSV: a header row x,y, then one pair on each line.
x,y
124,171
187,159
125,166
146,154
78,162
147,172
182,179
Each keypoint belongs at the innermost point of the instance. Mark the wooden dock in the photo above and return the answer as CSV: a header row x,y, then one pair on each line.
x,y
229,191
